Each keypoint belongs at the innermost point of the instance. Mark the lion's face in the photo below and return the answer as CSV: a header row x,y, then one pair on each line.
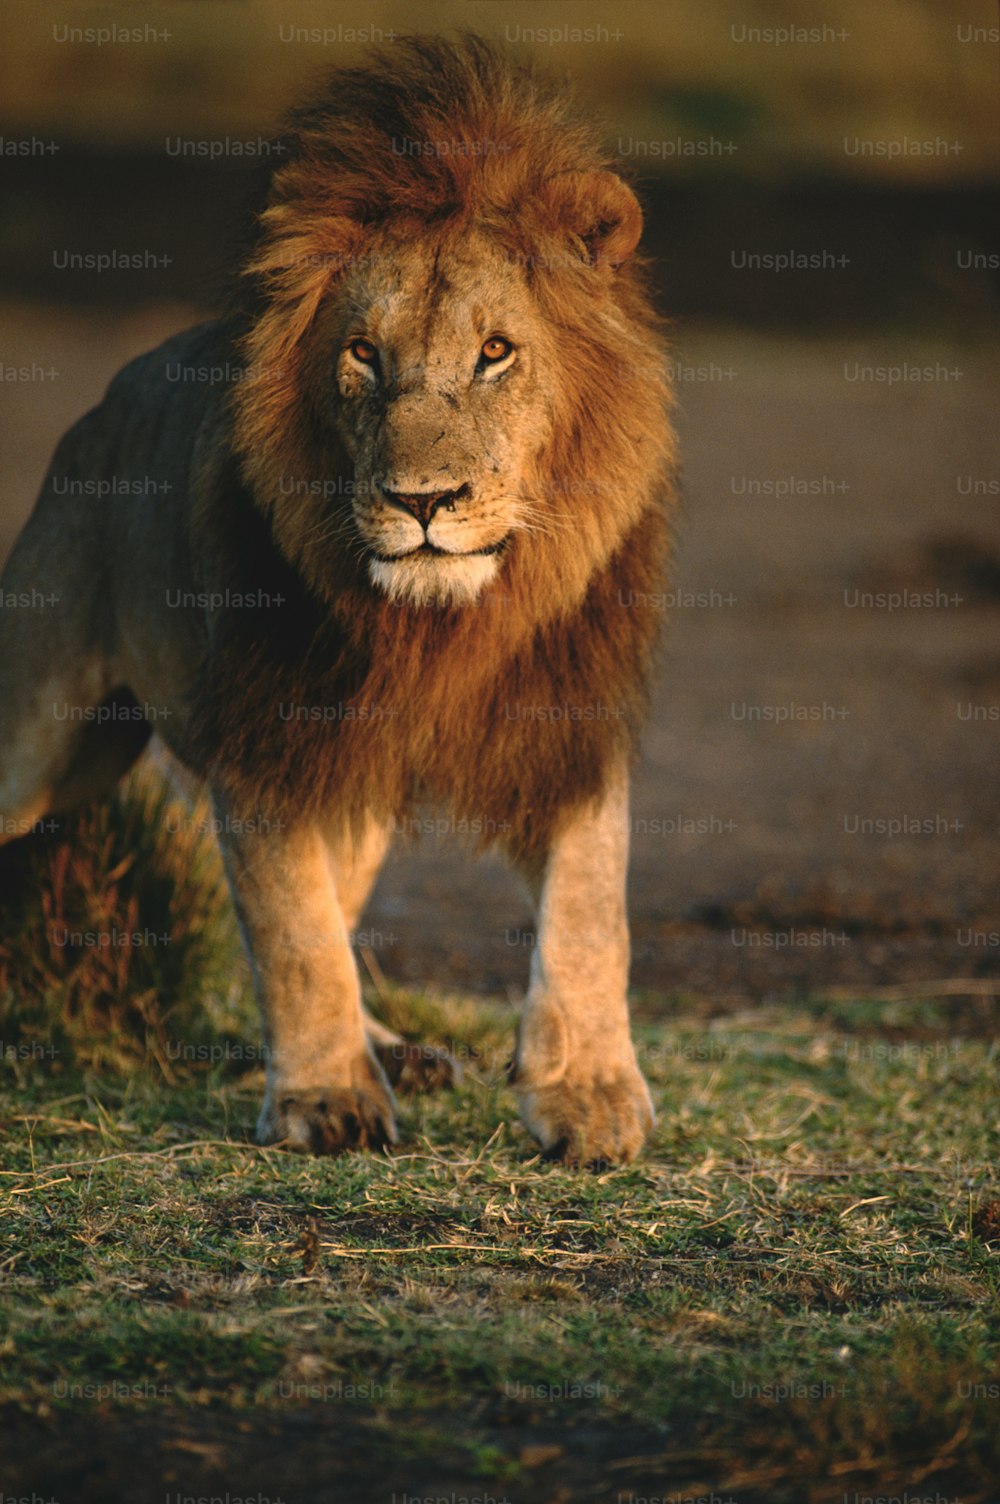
x,y
441,367
461,343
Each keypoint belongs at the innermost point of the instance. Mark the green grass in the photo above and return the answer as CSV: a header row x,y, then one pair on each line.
x,y
792,1281
793,1296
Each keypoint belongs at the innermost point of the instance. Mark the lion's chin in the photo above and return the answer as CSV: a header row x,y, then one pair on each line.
x,y
420,579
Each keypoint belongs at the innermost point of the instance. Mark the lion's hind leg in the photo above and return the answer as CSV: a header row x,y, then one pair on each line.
x,y
49,747
51,762
67,730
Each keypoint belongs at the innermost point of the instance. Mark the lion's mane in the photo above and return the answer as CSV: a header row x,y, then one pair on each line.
x,y
512,709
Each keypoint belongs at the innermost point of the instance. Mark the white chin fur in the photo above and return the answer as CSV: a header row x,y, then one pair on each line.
x,y
420,580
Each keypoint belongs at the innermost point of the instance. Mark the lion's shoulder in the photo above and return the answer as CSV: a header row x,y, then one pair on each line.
x,y
197,357
148,419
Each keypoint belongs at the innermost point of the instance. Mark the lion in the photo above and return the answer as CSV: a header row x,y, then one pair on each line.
x,y
389,533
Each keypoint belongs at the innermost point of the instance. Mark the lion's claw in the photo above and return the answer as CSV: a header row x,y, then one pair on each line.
x,y
320,1120
418,1067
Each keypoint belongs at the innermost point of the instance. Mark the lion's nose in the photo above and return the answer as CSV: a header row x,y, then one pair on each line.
x,y
423,504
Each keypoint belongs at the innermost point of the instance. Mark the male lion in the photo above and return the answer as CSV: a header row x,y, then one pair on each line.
x,y
395,536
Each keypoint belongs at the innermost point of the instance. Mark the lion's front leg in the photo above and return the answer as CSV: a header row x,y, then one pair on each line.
x,y
325,1089
580,1088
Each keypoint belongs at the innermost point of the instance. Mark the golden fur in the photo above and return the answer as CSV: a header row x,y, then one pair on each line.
x,y
452,700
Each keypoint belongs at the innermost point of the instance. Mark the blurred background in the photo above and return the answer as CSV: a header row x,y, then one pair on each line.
x,y
817,807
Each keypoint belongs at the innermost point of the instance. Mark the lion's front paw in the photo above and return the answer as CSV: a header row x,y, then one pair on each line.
x,y
418,1067
327,1120
594,1121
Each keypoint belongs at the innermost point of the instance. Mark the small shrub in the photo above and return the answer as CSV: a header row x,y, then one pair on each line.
x,y
116,933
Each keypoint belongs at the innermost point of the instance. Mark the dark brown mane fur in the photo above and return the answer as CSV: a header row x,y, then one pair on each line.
x,y
509,710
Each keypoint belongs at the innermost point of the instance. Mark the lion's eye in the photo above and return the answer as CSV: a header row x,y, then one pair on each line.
x,y
363,350
496,348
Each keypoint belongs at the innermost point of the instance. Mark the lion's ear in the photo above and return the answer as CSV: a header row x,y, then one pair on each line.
x,y
596,210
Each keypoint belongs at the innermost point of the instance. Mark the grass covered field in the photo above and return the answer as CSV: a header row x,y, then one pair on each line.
x,y
792,1297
